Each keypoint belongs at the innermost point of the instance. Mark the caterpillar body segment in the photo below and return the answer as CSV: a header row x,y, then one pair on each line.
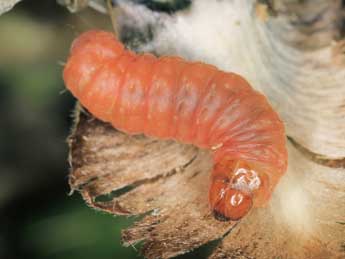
x,y
191,102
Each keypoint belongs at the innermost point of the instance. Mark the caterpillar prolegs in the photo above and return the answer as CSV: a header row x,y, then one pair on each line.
x,y
191,102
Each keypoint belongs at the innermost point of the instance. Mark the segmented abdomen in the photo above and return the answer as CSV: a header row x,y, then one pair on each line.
x,y
171,98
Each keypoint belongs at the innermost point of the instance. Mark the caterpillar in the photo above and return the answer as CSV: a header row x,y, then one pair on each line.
x,y
192,102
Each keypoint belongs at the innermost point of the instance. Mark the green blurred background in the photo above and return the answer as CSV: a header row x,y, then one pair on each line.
x,y
38,218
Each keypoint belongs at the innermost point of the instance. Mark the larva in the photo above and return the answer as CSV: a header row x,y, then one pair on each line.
x,y
191,102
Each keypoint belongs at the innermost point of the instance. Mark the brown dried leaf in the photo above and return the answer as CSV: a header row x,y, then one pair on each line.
x,y
169,181
168,184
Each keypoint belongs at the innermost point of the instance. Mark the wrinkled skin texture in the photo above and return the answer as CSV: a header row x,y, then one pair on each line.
x,y
195,103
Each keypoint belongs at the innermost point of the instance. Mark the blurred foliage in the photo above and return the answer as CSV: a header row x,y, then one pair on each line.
x,y
72,230
39,219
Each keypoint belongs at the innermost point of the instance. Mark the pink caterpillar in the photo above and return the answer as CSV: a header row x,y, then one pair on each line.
x,y
192,102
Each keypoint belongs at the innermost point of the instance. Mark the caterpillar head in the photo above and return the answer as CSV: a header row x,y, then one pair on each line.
x,y
235,187
229,203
